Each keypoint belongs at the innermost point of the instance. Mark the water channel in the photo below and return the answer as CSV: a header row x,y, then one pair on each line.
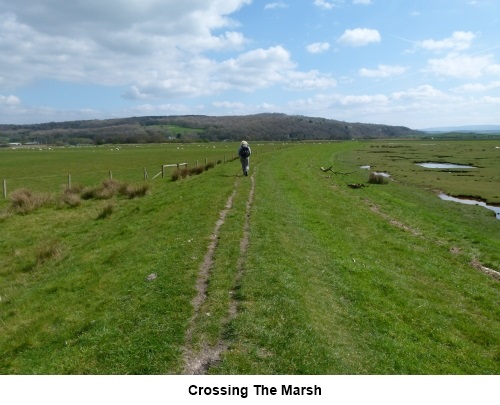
x,y
496,210
431,165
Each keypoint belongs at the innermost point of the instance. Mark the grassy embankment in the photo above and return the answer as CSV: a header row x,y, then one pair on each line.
x,y
335,280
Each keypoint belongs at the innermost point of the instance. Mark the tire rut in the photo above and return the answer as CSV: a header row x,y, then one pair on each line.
x,y
198,363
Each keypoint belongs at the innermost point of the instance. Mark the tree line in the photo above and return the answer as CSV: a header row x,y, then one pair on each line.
x,y
198,128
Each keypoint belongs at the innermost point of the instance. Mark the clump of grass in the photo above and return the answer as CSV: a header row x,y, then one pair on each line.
x,y
110,188
71,198
4,215
377,178
106,211
52,250
133,191
24,201
176,175
209,165
183,173
196,170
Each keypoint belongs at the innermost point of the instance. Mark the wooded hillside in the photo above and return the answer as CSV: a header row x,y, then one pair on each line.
x,y
265,127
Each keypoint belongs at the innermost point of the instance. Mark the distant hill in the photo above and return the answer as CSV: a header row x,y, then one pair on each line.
x,y
270,127
480,129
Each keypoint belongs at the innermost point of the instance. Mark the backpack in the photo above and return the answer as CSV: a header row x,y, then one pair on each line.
x,y
245,151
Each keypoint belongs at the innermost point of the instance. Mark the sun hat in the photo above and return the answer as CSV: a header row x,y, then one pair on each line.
x,y
245,143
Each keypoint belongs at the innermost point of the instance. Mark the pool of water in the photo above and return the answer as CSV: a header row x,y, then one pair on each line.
x,y
431,165
496,210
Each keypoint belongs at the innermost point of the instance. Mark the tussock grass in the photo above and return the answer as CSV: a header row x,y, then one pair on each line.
x,y
196,170
50,251
24,201
176,175
71,198
185,172
106,211
134,191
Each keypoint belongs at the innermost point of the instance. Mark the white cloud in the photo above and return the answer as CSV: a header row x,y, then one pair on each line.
x,y
363,2
271,6
477,87
113,42
459,41
490,100
312,80
424,92
363,100
228,105
9,101
318,47
461,66
359,37
383,71
327,5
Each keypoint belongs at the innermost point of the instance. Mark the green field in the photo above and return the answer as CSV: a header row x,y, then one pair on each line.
x,y
298,273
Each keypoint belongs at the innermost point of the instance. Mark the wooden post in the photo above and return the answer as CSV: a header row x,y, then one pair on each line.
x,y
69,181
196,163
178,167
110,175
145,174
224,158
4,188
206,161
162,171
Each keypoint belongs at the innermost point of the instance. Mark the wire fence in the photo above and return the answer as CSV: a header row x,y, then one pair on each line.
x,y
58,182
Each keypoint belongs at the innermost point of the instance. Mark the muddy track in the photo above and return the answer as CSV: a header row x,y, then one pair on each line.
x,y
196,363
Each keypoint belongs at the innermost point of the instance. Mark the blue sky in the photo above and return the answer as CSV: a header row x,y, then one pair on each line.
x,y
421,64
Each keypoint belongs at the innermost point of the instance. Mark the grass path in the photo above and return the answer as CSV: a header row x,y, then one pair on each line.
x,y
199,361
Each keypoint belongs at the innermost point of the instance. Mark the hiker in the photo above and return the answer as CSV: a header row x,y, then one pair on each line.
x,y
244,153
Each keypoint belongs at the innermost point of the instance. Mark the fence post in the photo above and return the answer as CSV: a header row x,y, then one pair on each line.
x,y
110,175
196,163
69,181
162,171
224,158
178,167
206,161
4,188
145,174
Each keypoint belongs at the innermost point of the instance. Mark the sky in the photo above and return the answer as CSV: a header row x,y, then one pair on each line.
x,y
420,64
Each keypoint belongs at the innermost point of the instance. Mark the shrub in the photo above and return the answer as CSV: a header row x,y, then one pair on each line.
x,y
209,165
24,201
377,178
184,172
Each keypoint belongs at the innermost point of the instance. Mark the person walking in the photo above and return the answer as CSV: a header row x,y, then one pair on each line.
x,y
244,153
